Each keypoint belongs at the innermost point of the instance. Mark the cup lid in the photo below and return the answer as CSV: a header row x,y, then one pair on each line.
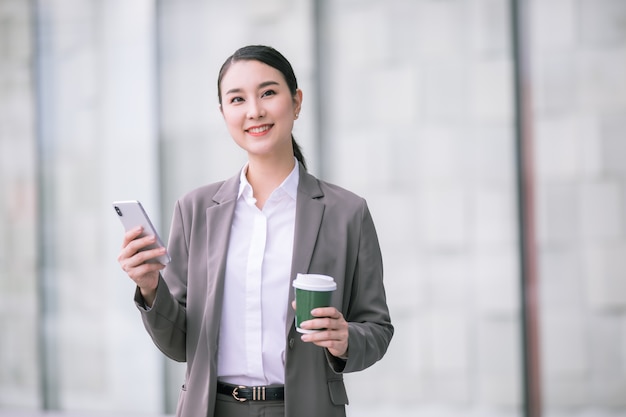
x,y
314,282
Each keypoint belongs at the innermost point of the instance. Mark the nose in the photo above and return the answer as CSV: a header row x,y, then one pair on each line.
x,y
255,109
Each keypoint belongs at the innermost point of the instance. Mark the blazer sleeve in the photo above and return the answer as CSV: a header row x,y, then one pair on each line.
x,y
166,320
367,314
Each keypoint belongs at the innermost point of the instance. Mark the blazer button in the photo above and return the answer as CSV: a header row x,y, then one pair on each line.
x,y
291,342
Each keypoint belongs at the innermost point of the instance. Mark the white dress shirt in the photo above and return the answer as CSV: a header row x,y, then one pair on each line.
x,y
257,285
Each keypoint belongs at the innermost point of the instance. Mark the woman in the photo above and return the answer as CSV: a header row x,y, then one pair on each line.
x,y
225,303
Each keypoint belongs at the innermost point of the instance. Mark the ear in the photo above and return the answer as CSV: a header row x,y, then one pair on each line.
x,y
297,101
221,109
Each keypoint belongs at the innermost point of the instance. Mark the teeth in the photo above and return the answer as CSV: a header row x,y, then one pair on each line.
x,y
259,129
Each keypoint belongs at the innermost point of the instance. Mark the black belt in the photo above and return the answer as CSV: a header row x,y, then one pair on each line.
x,y
243,393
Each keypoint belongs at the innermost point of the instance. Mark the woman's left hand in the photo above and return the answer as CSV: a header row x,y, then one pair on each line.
x,y
334,337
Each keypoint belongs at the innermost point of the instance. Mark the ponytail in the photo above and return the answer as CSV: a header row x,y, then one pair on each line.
x,y
297,152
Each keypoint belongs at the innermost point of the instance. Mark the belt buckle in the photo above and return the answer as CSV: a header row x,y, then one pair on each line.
x,y
235,393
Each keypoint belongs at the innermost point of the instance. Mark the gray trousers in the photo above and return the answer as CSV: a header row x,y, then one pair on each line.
x,y
227,406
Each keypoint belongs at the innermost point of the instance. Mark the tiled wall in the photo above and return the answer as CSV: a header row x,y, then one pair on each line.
x,y
432,150
77,132
579,62
18,210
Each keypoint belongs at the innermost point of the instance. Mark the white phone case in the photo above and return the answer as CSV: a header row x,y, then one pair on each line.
x,y
132,214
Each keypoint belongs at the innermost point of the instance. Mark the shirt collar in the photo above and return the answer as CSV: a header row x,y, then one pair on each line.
x,y
289,185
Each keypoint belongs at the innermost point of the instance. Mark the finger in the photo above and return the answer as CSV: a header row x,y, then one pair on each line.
x,y
145,270
131,247
331,312
147,255
337,348
139,243
131,235
323,336
320,323
136,246
130,263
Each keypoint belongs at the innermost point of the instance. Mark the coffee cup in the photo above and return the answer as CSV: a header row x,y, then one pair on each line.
x,y
312,291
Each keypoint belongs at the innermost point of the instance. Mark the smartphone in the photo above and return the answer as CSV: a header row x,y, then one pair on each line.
x,y
132,214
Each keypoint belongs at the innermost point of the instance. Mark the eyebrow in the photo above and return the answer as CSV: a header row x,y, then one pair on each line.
x,y
261,86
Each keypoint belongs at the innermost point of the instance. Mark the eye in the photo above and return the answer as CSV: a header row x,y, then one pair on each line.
x,y
236,99
268,93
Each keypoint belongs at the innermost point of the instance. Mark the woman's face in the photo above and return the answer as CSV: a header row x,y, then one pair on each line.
x,y
259,109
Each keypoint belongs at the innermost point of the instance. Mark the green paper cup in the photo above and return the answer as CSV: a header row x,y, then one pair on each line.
x,y
312,291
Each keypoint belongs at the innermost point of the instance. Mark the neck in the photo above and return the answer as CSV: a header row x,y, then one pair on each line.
x,y
265,175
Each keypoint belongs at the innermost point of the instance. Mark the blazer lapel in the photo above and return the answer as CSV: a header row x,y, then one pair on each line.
x,y
219,218
309,213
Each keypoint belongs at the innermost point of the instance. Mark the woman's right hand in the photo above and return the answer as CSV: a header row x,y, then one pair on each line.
x,y
134,262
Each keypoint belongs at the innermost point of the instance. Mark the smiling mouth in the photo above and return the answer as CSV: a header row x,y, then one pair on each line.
x,y
257,130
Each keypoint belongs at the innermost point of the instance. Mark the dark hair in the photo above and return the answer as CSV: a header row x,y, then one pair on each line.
x,y
273,58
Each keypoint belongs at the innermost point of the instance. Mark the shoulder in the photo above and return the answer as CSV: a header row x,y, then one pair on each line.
x,y
194,203
202,195
210,194
332,195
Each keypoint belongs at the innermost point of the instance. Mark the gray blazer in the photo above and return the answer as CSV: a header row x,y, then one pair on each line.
x,y
334,235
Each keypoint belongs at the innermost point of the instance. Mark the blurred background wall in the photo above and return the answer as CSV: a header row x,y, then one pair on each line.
x,y
409,103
